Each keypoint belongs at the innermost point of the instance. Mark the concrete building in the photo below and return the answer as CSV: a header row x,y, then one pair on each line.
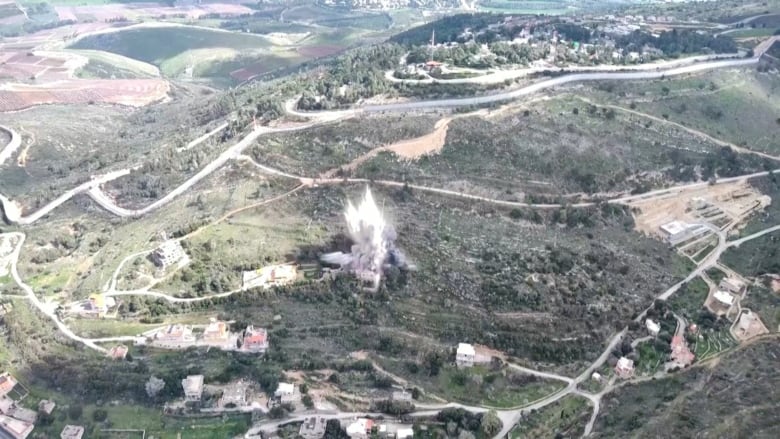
x,y
14,428
313,428
360,429
193,388
624,368
72,432
175,334
724,298
596,377
270,276
678,231
46,406
7,383
167,254
732,285
402,396
287,393
464,356
404,433
255,340
652,327
216,331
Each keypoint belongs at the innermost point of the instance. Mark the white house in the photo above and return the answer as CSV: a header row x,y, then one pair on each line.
x,y
193,388
287,393
464,357
360,429
652,327
624,368
168,253
724,297
404,433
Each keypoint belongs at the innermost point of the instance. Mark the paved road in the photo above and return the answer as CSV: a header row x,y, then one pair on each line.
x,y
737,242
47,311
499,76
11,146
554,82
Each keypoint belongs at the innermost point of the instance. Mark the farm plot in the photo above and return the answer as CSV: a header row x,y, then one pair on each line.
x,y
130,92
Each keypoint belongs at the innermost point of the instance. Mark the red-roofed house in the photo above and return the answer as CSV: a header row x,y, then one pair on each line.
x,y
680,352
7,383
255,340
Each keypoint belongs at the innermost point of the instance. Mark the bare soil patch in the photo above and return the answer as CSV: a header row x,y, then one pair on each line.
x,y
130,92
735,200
411,149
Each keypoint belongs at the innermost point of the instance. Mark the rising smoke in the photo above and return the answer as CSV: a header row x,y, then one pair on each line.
x,y
373,239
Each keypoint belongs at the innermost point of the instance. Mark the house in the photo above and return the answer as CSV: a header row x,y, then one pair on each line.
x,y
255,340
118,352
404,433
99,304
72,432
360,429
732,285
175,333
46,406
193,388
724,298
652,327
624,368
313,428
402,396
270,276
168,253
596,377
14,428
287,393
680,352
7,383
216,331
464,356
234,394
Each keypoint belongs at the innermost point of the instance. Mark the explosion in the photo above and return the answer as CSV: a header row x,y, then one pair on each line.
x,y
373,240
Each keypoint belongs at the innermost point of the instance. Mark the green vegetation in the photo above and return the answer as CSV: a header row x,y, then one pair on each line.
x,y
755,257
770,215
564,418
143,44
711,342
765,302
688,301
699,398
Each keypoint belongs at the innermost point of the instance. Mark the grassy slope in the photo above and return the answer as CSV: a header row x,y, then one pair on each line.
x,y
729,399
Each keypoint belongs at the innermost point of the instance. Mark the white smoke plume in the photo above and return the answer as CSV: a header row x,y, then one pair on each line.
x,y
373,241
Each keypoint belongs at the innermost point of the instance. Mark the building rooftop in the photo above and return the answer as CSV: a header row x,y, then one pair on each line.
x,y
193,384
652,326
285,389
254,335
724,297
118,352
465,349
72,432
625,363
15,428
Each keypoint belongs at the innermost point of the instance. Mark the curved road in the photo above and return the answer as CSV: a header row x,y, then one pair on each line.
x,y
93,187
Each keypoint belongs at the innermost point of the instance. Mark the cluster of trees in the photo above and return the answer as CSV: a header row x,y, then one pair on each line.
x,y
446,29
677,42
355,75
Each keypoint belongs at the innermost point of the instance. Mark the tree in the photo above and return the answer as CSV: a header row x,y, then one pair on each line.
x,y
333,430
490,424
307,401
154,386
75,411
99,415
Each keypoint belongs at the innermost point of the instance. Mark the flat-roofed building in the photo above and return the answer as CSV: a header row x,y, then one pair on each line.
x,y
464,356
14,428
7,383
313,428
168,253
193,388
216,331
624,368
72,432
